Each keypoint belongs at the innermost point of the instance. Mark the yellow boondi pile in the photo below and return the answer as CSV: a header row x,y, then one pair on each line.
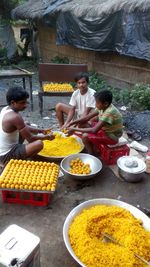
x,y
86,238
60,146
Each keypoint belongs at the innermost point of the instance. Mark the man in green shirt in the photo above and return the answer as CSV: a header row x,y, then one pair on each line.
x,y
107,129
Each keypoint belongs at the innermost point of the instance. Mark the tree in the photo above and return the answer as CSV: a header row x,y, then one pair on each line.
x,y
8,46
7,5
5,8
7,39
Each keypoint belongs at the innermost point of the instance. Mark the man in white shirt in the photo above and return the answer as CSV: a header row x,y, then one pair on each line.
x,y
81,103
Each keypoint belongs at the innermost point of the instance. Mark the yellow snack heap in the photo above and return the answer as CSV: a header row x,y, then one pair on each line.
x,y
60,146
30,175
57,87
77,166
86,238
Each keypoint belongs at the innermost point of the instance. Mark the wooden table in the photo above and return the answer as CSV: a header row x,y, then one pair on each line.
x,y
19,73
57,73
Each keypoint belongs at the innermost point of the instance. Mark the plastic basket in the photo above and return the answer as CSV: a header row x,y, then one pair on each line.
x,y
26,198
110,155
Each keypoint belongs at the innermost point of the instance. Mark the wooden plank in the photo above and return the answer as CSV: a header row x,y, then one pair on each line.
x,y
59,72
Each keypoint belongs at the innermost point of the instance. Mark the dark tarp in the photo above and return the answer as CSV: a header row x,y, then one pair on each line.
x,y
123,32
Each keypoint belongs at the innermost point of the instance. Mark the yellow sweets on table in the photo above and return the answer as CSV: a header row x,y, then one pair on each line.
x,y
30,175
57,87
77,166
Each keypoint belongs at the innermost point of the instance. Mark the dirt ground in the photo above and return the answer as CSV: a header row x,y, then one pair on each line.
x,y
47,222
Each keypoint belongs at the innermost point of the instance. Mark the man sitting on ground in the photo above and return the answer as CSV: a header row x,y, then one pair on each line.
x,y
82,101
12,127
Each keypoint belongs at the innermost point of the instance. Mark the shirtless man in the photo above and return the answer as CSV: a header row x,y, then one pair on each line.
x,y
12,126
81,103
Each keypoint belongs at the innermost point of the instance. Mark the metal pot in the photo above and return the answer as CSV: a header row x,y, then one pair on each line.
x,y
131,177
132,174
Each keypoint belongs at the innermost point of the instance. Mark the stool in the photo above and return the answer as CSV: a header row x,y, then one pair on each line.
x,y
110,154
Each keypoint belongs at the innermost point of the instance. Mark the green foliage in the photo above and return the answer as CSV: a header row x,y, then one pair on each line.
x,y
95,81
6,6
20,2
19,22
137,97
3,52
120,96
60,60
12,3
125,96
140,97
4,21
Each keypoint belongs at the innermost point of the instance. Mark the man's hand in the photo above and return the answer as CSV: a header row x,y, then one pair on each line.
x,y
70,131
49,136
72,123
65,126
46,131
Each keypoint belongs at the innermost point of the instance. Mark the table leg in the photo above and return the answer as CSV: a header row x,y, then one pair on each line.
x,y
24,83
41,103
31,96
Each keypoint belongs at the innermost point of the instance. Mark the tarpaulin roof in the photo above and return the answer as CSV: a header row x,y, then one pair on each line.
x,y
99,25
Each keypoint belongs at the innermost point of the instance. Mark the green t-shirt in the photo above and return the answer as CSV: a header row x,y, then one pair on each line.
x,y
113,121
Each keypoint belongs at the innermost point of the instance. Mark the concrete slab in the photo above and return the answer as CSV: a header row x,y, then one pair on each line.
x,y
47,222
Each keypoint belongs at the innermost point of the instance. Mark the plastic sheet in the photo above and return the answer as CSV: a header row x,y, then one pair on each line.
x,y
123,32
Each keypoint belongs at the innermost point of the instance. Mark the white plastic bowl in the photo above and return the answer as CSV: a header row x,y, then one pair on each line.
x,y
100,201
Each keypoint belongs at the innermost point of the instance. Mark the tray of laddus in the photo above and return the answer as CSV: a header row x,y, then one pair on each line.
x,y
32,176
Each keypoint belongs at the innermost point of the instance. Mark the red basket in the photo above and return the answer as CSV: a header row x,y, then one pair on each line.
x,y
26,198
111,154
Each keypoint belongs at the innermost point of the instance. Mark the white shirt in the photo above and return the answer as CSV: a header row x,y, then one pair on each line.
x,y
7,140
81,102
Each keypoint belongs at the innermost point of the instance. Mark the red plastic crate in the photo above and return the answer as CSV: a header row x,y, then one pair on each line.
x,y
26,198
111,154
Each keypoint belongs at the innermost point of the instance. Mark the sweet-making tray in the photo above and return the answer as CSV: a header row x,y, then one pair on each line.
x,y
23,176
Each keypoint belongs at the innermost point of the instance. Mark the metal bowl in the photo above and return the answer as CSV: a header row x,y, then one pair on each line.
x,y
59,158
95,165
101,201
